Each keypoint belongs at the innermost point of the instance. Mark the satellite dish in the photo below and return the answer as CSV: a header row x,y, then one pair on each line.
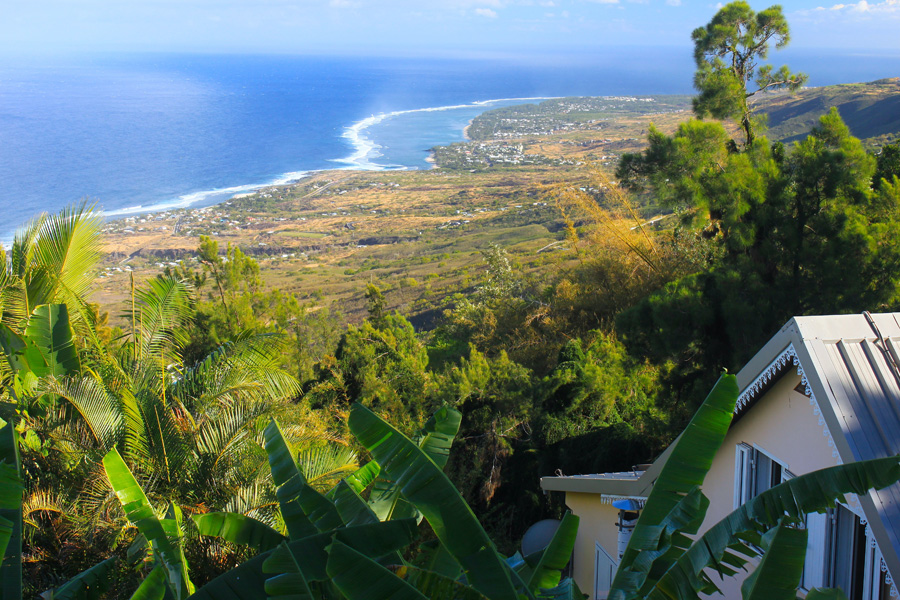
x,y
538,536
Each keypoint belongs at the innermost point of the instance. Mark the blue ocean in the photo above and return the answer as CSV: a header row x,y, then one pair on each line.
x,y
142,132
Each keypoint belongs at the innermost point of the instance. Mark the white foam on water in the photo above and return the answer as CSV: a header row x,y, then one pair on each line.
x,y
364,149
198,198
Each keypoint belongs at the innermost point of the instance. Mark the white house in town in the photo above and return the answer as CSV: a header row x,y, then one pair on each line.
x,y
823,391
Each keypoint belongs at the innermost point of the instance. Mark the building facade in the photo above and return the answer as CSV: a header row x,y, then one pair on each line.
x,y
823,391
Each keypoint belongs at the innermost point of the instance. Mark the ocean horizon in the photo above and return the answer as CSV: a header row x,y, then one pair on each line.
x,y
141,133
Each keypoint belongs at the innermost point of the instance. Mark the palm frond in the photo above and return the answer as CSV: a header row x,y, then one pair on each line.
x,y
163,309
245,368
168,445
43,502
99,412
324,465
67,245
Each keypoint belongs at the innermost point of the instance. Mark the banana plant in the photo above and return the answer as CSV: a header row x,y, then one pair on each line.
x,y
11,490
46,347
304,510
163,534
338,546
662,562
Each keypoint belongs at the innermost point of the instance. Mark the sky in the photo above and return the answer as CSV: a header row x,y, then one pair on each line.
x,y
404,27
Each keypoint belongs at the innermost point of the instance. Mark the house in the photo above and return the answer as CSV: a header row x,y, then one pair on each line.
x,y
823,391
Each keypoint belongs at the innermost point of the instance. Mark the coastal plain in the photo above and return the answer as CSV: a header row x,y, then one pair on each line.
x,y
416,234
419,235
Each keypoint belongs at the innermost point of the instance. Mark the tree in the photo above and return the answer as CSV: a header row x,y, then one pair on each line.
x,y
887,165
381,364
727,51
190,432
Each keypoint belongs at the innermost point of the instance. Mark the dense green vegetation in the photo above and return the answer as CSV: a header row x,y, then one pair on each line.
x,y
225,419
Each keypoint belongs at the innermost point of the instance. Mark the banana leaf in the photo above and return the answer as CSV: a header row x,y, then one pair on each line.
x,y
382,538
659,547
361,578
777,576
437,586
439,432
515,576
813,492
426,486
140,512
244,582
292,485
548,572
387,503
238,529
247,581
22,354
87,585
153,587
289,582
435,558
685,469
172,525
363,477
10,513
826,594
566,590
49,329
435,439
298,524
6,534
352,508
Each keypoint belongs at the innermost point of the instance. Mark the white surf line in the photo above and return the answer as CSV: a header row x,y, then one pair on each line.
x,y
188,200
363,146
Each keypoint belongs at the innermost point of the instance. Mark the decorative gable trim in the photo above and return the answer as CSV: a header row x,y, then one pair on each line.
x,y
770,374
610,498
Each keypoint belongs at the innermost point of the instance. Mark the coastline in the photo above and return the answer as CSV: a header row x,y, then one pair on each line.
x,y
363,152
363,157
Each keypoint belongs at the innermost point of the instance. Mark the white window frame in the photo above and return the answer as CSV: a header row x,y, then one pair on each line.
x,y
745,457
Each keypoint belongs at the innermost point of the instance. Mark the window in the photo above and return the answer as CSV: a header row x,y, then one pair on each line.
x,y
754,473
840,551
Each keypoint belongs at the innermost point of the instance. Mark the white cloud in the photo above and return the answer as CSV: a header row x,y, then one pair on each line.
x,y
486,12
604,1
887,7
343,4
673,2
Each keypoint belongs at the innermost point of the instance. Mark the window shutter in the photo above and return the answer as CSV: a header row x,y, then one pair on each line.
x,y
814,565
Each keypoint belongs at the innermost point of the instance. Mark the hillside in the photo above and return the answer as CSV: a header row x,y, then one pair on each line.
x,y
871,110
